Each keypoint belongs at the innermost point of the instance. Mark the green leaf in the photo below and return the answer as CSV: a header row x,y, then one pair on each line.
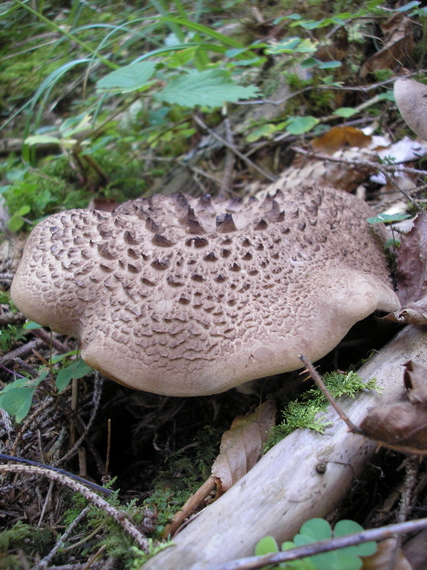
x,y
300,125
181,57
210,88
345,112
311,24
310,62
76,370
344,558
330,65
129,78
383,218
299,564
344,527
287,46
266,545
263,131
31,325
307,46
37,139
15,223
23,210
392,242
387,96
315,529
16,397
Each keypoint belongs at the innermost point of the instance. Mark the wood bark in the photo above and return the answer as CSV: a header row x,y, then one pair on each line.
x,y
288,485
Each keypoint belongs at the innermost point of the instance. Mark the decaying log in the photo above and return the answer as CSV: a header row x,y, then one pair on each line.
x,y
306,475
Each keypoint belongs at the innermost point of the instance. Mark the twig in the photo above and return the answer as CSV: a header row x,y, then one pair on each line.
x,y
60,542
119,516
21,351
190,506
321,385
359,88
226,184
29,463
384,169
234,149
256,562
12,318
49,340
203,173
96,399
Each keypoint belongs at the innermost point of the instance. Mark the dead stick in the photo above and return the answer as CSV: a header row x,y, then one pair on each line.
x,y
321,385
234,149
256,562
367,163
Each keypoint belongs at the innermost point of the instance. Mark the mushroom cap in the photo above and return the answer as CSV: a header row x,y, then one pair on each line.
x,y
184,297
411,99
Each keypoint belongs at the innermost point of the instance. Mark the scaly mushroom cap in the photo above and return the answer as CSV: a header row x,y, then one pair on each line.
x,y
184,297
411,99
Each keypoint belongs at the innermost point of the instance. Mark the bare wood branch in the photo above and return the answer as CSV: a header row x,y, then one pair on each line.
x,y
60,542
375,534
237,152
285,488
384,169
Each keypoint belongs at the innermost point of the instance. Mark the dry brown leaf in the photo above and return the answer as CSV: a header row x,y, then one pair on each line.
x,y
412,314
398,46
403,426
384,556
415,550
242,445
412,255
411,275
340,137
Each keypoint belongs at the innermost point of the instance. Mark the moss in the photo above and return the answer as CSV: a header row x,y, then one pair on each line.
x,y
22,537
304,412
44,194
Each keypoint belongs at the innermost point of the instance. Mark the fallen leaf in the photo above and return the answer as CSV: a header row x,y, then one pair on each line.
x,y
411,275
415,380
412,314
415,550
384,556
340,137
398,46
242,445
402,426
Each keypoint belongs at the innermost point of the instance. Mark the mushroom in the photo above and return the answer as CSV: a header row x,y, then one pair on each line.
x,y
411,99
185,297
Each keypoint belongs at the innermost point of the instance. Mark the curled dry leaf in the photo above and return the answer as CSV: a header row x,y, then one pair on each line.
x,y
403,426
242,445
411,275
340,137
384,557
398,45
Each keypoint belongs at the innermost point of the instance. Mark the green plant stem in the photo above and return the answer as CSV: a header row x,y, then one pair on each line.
x,y
71,37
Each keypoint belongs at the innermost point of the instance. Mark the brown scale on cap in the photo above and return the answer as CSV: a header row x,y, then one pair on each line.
x,y
184,296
